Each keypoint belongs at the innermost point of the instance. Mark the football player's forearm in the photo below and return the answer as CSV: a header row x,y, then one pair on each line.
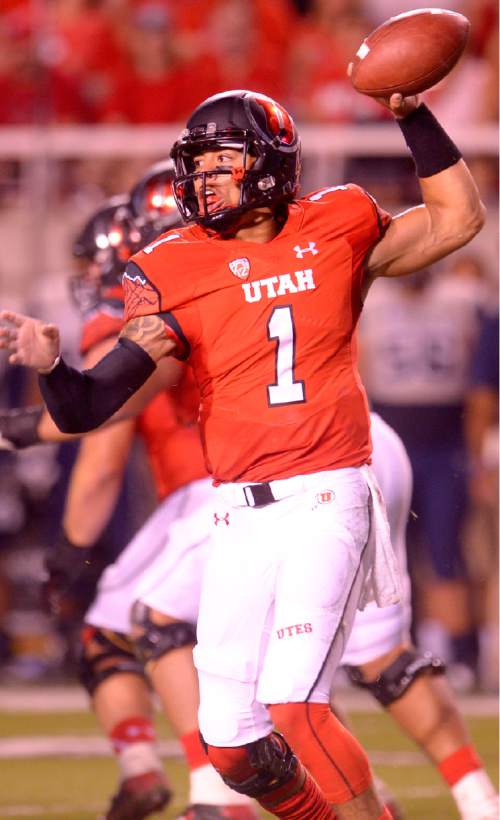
x,y
452,212
23,427
167,374
96,481
454,205
81,401
149,332
448,189
450,217
48,431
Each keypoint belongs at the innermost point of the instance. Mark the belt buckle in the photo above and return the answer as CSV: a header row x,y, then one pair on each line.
x,y
258,495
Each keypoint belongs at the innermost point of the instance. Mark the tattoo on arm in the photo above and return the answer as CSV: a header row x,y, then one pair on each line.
x,y
149,333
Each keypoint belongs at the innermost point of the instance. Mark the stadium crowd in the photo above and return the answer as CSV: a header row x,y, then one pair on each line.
x,y
150,62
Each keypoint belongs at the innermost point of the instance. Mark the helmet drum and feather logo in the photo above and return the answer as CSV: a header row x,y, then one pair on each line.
x,y
279,122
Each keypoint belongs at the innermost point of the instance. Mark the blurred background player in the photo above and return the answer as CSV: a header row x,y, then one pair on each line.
x,y
417,340
481,427
409,683
176,532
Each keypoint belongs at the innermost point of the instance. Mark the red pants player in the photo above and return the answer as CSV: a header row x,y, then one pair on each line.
x,y
262,293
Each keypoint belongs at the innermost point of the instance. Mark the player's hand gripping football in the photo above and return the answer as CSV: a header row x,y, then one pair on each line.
x,y
30,342
399,106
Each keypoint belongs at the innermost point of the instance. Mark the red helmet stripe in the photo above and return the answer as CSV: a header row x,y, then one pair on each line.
x,y
279,121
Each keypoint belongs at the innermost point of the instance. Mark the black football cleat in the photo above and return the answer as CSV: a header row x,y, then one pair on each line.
x,y
138,797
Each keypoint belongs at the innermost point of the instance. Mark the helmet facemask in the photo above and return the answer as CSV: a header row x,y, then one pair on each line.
x,y
271,178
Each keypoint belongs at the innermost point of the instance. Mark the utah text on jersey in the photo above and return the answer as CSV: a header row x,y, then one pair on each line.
x,y
294,282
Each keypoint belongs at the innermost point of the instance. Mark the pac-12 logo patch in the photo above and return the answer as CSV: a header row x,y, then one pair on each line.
x,y
325,497
240,267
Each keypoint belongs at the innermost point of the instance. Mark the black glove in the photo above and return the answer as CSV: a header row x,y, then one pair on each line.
x,y
19,427
72,574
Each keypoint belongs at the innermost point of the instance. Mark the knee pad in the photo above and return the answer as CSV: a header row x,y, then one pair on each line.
x,y
256,768
105,653
152,641
397,678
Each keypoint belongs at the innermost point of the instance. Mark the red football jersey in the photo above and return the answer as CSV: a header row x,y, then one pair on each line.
x,y
270,332
168,424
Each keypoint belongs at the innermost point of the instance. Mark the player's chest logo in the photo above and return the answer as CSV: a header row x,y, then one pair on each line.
x,y
240,267
310,248
281,285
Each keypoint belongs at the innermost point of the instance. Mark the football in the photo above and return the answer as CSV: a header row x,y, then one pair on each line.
x,y
409,53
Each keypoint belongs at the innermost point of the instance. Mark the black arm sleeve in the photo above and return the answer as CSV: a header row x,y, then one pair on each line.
x,y
80,401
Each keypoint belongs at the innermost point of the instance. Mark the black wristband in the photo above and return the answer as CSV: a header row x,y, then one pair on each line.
x,y
431,147
20,426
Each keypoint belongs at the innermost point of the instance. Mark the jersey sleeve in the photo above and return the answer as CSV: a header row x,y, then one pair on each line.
x,y
103,322
144,298
368,222
352,213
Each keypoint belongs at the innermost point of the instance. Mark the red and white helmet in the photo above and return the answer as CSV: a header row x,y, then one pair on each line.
x,y
152,201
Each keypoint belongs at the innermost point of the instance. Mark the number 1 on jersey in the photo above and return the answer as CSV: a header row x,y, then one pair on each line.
x,y
285,389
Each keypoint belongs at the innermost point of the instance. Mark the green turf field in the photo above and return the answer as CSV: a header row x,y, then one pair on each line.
x,y
66,787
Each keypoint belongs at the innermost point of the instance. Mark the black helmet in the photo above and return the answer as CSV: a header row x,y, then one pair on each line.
x,y
152,201
107,239
258,126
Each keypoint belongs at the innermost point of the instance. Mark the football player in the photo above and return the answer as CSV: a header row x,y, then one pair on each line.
x,y
262,292
112,665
